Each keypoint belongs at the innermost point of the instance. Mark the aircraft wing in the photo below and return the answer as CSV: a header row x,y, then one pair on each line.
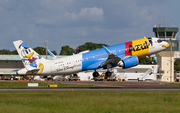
x,y
112,58
95,65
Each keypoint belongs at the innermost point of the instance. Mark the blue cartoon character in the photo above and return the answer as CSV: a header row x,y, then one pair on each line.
x,y
29,55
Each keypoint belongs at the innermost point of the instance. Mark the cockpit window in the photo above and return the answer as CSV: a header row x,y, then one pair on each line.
x,y
159,41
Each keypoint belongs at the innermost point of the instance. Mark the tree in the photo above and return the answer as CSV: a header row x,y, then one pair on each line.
x,y
177,65
145,60
66,50
5,52
54,52
90,46
40,50
14,52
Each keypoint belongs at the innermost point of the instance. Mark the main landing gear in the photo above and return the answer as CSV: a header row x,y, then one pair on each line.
x,y
107,74
95,74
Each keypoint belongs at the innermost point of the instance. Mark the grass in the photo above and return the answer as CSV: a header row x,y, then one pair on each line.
x,y
41,84
90,101
177,84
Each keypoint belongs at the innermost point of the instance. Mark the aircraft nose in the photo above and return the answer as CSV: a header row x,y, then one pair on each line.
x,y
165,44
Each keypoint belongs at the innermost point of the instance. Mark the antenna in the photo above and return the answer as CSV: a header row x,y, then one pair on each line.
x,y
46,45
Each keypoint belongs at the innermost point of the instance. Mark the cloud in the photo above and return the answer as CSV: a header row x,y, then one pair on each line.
x,y
92,14
74,22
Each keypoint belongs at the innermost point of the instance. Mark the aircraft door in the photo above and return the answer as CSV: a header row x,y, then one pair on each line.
x,y
151,45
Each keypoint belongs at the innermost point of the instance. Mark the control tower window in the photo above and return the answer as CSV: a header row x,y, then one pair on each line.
x,y
169,34
161,34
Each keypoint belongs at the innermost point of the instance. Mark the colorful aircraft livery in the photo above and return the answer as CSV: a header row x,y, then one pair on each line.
x,y
124,55
138,47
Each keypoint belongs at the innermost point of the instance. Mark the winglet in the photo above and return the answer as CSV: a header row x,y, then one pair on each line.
x,y
107,50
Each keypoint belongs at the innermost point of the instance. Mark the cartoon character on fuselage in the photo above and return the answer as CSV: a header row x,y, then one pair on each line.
x,y
124,55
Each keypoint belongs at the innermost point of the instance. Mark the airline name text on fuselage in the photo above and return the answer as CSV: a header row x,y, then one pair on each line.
x,y
138,47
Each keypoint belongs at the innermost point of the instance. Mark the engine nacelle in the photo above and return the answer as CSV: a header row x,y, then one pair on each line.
x,y
128,62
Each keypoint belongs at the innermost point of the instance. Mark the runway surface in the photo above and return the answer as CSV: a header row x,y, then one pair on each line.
x,y
102,86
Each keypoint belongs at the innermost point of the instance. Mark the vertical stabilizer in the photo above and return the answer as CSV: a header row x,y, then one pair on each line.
x,y
32,61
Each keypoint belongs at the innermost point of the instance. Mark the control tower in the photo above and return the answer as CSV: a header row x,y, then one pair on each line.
x,y
165,59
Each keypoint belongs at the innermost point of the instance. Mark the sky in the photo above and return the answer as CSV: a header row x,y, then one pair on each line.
x,y
75,22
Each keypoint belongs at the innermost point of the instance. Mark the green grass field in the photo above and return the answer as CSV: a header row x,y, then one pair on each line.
x,y
90,101
86,101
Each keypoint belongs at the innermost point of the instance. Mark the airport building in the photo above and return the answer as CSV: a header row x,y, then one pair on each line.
x,y
139,72
165,59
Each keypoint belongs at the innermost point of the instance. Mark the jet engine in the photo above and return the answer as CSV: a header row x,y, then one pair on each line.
x,y
128,62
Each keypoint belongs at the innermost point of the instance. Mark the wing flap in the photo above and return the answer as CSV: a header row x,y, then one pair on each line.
x,y
112,58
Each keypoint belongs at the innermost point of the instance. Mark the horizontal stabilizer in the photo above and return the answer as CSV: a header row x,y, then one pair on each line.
x,y
51,54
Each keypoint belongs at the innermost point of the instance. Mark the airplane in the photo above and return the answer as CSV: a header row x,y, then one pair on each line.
x,y
124,55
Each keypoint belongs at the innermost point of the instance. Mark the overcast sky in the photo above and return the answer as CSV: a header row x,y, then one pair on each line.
x,y
74,22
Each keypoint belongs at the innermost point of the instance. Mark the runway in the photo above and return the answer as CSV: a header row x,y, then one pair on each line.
x,y
102,86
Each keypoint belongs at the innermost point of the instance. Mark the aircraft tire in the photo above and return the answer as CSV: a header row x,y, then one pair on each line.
x,y
95,74
108,74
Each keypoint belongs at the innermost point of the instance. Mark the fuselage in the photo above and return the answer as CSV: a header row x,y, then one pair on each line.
x,y
88,60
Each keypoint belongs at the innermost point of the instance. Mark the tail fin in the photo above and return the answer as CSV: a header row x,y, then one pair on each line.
x,y
77,50
31,59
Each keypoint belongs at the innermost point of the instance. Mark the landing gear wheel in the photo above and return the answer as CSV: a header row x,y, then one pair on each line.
x,y
95,74
108,74
75,75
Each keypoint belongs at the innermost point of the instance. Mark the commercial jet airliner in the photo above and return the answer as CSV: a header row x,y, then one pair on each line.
x,y
124,55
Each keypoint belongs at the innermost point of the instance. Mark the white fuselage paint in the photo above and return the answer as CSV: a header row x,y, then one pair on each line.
x,y
63,66
156,47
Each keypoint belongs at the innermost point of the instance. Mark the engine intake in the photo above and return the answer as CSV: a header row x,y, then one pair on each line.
x,y
128,62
